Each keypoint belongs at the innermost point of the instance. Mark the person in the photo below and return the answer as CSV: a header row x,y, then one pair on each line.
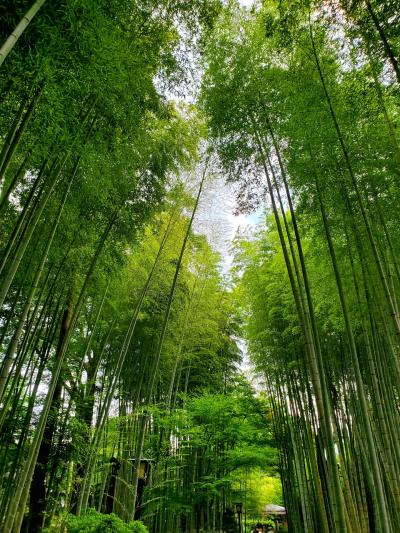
x,y
259,528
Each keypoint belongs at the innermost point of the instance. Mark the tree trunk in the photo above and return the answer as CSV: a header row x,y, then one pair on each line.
x,y
19,30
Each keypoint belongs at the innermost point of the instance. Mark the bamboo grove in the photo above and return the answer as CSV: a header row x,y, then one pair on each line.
x,y
117,328
122,403
303,107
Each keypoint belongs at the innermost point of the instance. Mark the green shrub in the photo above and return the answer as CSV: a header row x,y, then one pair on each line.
x,y
94,522
138,527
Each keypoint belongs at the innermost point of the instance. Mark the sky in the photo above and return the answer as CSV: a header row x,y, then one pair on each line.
x,y
246,3
216,218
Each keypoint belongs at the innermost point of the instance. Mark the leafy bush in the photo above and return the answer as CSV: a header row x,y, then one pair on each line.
x,y
94,522
138,527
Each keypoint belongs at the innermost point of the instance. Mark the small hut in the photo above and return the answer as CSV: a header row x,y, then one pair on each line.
x,y
277,513
272,509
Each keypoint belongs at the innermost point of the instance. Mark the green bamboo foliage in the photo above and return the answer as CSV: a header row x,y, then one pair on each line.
x,y
118,324
318,336
89,149
10,42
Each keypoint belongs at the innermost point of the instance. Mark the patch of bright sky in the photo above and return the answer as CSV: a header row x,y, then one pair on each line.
x,y
246,3
217,220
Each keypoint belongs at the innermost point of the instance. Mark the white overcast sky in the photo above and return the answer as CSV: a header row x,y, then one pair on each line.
x,y
216,219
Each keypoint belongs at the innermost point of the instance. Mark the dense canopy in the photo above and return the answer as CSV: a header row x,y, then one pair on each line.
x,y
157,375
